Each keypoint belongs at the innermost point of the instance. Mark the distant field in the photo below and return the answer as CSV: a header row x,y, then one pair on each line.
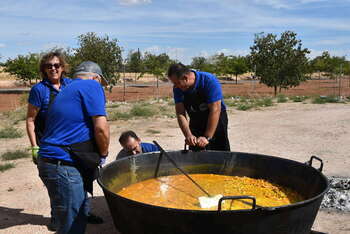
x,y
5,75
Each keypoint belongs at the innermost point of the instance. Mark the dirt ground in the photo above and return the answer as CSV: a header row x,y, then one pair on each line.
x,y
289,130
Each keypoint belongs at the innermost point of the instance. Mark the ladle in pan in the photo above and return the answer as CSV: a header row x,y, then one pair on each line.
x,y
204,201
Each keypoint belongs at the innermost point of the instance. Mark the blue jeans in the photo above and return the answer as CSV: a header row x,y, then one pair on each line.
x,y
67,196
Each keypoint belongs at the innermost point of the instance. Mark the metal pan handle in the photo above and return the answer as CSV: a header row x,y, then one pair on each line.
x,y
317,158
237,198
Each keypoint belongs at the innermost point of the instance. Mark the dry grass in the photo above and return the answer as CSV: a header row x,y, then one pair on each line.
x,y
5,75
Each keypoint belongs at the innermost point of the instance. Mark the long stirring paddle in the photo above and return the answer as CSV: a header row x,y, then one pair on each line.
x,y
205,202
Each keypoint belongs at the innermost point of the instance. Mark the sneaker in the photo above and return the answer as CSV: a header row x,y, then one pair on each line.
x,y
52,226
94,219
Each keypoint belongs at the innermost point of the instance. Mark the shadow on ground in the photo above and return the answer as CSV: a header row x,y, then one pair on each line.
x,y
99,207
10,217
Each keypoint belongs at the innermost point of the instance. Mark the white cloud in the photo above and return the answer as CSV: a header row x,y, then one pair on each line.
x,y
134,2
2,45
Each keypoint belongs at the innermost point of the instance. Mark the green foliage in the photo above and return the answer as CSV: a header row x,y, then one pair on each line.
x,y
325,99
101,50
331,65
13,155
262,102
281,98
143,111
203,64
243,103
157,65
245,106
10,132
279,62
6,166
298,98
135,63
24,67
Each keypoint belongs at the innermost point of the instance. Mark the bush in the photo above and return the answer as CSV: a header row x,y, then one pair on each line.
x,y
325,99
143,111
6,166
298,98
281,98
10,132
244,107
264,102
13,155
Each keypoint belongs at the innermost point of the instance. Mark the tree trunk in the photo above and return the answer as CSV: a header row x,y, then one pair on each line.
x,y
236,79
275,90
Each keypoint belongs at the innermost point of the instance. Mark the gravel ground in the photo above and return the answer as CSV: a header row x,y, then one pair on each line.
x,y
291,130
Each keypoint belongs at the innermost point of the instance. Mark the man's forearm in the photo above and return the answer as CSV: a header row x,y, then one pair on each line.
x,y
184,125
101,129
213,119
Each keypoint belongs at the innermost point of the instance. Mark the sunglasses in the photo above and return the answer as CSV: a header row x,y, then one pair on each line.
x,y
50,65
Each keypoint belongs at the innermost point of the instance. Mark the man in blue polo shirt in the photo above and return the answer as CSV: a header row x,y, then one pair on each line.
x,y
199,94
77,130
132,145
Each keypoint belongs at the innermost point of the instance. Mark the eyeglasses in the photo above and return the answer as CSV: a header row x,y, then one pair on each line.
x,y
50,65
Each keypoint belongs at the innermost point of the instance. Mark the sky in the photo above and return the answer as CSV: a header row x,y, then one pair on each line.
x,y
181,28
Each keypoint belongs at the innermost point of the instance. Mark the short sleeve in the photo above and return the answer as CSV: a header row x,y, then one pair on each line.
x,y
94,99
35,97
213,90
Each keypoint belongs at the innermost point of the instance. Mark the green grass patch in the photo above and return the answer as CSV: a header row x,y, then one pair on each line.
x,y
10,132
118,115
6,166
325,99
244,106
281,98
13,155
263,102
299,98
143,111
152,131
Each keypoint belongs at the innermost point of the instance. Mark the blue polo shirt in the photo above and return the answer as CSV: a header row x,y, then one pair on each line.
x,y
39,95
70,117
148,147
208,84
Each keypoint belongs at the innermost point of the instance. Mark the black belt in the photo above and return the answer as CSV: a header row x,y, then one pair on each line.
x,y
57,161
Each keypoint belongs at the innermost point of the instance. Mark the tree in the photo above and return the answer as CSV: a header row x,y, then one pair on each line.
x,y
103,51
279,62
157,65
236,66
134,63
203,64
24,67
199,63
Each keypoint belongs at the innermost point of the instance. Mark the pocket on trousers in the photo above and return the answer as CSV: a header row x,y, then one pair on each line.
x,y
74,176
